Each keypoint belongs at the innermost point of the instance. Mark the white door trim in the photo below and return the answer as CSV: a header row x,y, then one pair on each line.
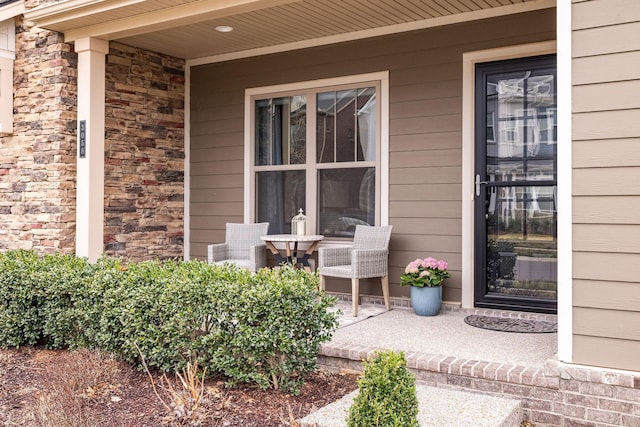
x,y
469,60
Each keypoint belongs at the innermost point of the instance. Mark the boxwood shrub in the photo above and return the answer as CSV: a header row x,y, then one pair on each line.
x,y
38,297
265,327
387,394
269,329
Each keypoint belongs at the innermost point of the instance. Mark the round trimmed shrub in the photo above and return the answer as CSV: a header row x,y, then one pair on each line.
x,y
387,396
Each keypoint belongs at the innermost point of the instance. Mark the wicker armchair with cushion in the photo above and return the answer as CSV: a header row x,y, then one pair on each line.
x,y
242,246
368,257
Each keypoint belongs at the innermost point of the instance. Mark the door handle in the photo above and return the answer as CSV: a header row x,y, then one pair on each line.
x,y
478,183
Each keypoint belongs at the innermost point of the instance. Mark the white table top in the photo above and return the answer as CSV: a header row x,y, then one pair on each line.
x,y
292,237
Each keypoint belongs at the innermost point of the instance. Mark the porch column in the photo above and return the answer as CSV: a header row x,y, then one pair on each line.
x,y
565,186
90,156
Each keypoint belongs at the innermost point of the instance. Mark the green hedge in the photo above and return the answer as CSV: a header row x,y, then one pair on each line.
x,y
38,297
263,327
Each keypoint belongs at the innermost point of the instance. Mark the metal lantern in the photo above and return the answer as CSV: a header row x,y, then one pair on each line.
x,y
299,224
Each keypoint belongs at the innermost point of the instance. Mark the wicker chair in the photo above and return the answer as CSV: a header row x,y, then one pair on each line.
x,y
367,258
242,246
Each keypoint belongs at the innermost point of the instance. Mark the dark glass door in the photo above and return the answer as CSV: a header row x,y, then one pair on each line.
x,y
515,184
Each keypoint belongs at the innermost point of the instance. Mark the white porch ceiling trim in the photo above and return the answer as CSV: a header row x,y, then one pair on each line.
x,y
380,31
183,23
157,20
12,10
71,9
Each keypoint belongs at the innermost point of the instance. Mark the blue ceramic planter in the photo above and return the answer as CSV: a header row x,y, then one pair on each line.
x,y
426,301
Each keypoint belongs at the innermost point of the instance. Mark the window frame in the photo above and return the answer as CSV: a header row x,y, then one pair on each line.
x,y
379,80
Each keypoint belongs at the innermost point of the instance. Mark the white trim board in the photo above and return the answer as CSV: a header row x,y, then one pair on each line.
x,y
186,238
565,212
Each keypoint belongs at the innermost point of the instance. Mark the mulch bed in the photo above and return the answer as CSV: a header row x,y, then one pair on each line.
x,y
42,387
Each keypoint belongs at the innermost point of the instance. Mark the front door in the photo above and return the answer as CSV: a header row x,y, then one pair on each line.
x,y
515,184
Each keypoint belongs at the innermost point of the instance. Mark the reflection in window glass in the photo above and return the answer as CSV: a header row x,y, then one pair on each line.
x,y
280,126
346,125
346,198
336,185
279,196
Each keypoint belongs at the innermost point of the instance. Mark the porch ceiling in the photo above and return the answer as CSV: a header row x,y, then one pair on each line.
x,y
186,28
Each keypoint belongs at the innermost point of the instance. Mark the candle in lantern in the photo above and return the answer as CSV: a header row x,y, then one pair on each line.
x,y
299,224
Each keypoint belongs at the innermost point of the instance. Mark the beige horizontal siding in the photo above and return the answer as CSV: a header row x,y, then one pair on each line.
x,y
425,124
618,324
222,194
606,68
619,295
222,140
607,124
415,223
436,141
215,222
606,352
621,267
606,210
425,130
412,243
606,183
213,127
604,40
223,181
606,238
221,209
425,192
607,96
612,181
426,175
437,158
201,114
435,90
220,167
429,107
590,14
426,209
200,155
606,153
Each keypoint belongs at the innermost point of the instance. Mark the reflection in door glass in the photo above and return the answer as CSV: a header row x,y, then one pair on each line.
x,y
521,241
521,257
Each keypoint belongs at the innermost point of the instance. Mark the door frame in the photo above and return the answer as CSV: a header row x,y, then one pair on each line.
x,y
503,302
469,60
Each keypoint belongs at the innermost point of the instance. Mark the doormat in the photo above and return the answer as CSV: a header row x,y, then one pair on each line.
x,y
506,324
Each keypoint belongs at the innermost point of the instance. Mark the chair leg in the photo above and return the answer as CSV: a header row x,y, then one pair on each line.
x,y
355,295
385,292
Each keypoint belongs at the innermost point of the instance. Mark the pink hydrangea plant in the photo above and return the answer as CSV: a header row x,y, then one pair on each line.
x,y
425,272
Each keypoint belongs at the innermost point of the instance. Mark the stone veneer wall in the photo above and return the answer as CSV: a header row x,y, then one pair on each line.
x,y
144,154
37,161
144,150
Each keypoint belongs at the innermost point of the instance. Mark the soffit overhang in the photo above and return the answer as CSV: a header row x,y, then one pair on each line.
x,y
186,28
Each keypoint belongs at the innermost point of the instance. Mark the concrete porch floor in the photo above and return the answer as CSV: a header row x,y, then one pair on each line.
x,y
445,353
447,335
